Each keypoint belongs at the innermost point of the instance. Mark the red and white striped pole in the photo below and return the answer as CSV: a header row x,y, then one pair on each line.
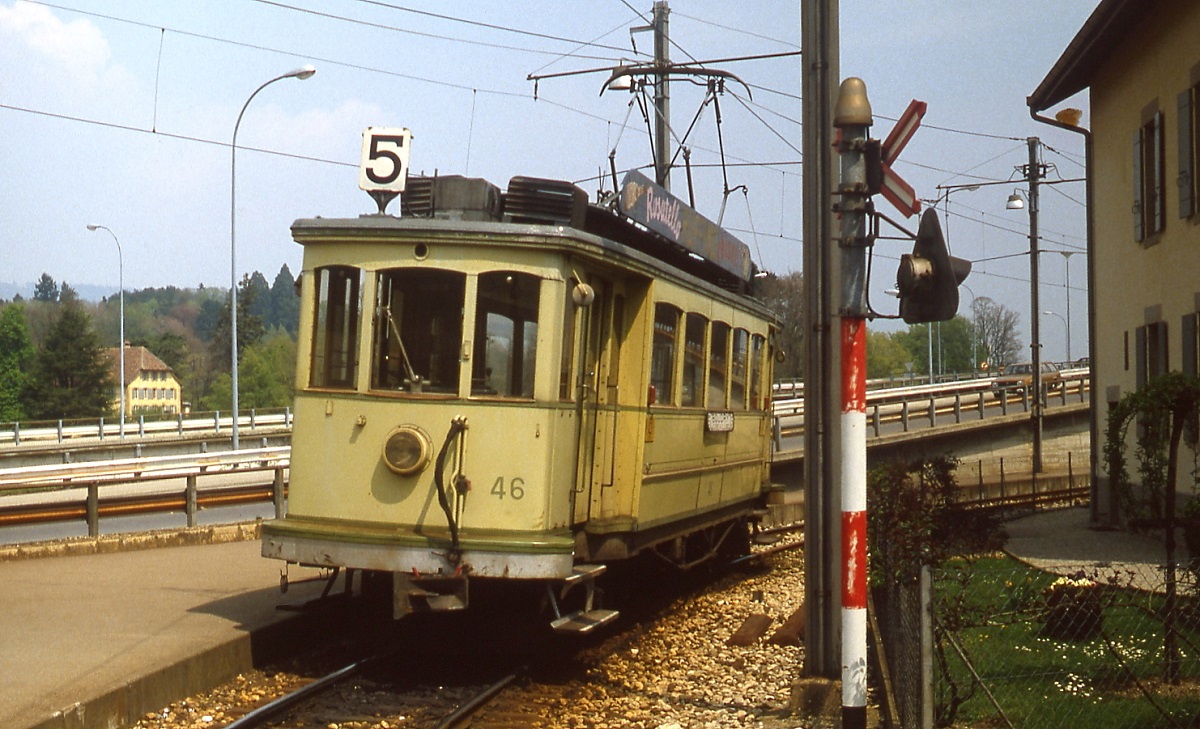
x,y
854,522
852,117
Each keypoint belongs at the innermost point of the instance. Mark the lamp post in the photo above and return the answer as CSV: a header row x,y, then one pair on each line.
x,y
974,349
1033,175
1067,325
1067,261
299,73
121,344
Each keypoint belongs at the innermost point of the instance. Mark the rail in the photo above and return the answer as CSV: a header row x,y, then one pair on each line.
x,y
41,494
926,404
105,429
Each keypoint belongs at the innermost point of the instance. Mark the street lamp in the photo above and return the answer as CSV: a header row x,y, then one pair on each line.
x,y
1067,325
974,335
1067,260
299,73
121,344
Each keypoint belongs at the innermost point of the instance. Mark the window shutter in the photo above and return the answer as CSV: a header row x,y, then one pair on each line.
x,y
1139,230
1159,173
1187,187
1188,335
1139,361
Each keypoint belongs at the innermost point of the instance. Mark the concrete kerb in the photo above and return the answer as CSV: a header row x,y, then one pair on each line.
x,y
108,543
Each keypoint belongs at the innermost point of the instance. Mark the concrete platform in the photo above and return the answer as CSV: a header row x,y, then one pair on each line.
x,y
99,639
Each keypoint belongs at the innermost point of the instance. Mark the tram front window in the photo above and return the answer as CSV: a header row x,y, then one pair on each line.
x,y
506,324
418,330
335,327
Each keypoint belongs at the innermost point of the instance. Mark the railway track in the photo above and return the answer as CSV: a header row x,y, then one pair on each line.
x,y
494,671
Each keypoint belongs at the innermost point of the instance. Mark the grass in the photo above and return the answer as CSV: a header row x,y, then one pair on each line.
x,y
995,608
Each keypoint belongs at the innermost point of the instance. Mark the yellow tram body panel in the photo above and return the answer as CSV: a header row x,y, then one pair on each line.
x,y
547,375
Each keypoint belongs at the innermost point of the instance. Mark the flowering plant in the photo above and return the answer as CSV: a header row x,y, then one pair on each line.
x,y
1073,608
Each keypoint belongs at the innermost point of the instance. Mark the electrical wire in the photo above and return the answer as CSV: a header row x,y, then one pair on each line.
x,y
493,26
410,31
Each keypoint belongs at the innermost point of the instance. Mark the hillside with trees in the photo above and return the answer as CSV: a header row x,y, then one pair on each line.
x,y
52,362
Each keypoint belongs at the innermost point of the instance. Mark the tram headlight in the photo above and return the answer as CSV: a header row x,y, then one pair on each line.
x,y
407,450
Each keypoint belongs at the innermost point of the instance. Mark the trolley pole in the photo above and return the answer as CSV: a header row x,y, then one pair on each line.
x,y
852,118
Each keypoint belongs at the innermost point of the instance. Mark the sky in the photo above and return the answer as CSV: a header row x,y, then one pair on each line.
x,y
120,113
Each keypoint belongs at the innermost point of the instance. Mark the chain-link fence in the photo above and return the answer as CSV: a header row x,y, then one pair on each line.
x,y
1094,646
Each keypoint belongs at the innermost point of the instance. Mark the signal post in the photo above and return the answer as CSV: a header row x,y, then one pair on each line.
x,y
927,280
852,118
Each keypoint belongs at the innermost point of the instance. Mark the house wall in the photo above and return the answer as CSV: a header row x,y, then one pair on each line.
x,y
1157,279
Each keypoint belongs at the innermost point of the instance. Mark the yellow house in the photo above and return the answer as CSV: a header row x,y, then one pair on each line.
x,y
1140,62
151,387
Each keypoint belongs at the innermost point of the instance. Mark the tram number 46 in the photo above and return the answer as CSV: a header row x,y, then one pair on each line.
x,y
514,489
384,163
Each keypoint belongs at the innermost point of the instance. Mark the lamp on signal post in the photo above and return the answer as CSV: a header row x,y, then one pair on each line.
x,y
299,73
121,344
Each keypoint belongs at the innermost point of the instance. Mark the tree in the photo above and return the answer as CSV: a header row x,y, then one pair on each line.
x,y
250,326
268,372
285,304
72,376
996,332
260,301
45,289
784,296
886,357
16,356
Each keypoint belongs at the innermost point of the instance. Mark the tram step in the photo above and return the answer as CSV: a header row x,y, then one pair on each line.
x,y
581,572
580,622
442,603
765,539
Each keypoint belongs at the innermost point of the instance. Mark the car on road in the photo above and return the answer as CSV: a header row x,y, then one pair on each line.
x,y
1017,378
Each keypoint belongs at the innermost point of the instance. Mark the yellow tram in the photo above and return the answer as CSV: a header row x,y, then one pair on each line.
x,y
521,385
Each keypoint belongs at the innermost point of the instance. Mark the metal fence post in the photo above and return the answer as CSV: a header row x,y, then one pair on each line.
x,y
93,510
277,492
179,421
16,433
60,431
253,419
217,421
141,426
926,647
191,500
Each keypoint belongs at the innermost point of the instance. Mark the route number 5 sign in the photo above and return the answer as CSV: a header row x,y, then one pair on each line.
x,y
384,164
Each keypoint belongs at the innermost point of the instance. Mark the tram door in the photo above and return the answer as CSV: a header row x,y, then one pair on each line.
x,y
600,373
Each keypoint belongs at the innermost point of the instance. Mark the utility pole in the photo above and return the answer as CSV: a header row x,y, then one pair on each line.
x,y
1033,173
662,96
822,518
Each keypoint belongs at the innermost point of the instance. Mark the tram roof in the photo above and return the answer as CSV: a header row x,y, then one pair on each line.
x,y
607,248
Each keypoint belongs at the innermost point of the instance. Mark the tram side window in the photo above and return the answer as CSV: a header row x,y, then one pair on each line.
x,y
758,343
335,327
718,365
506,324
691,389
737,381
662,355
418,330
